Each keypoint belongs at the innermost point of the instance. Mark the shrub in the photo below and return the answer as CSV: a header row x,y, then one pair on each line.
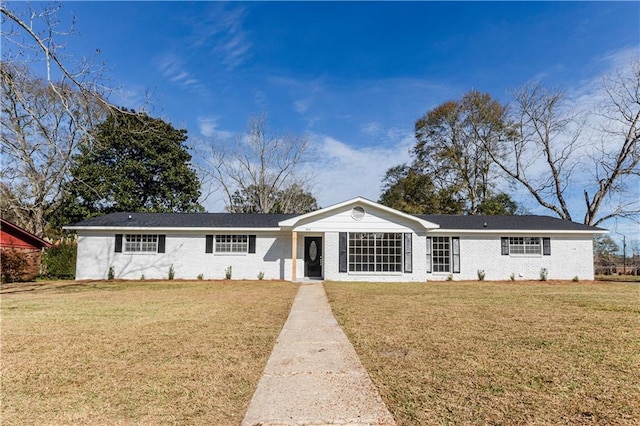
x,y
227,273
60,260
172,272
14,265
450,277
201,277
111,274
543,274
512,277
142,277
575,279
480,274
260,275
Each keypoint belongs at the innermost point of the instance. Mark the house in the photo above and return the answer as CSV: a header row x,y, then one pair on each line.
x,y
356,240
21,252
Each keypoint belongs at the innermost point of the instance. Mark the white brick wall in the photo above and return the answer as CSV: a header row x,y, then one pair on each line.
x,y
186,252
570,256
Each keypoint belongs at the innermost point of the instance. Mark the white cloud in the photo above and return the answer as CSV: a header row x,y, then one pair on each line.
x,y
208,127
372,128
302,105
174,69
341,171
222,29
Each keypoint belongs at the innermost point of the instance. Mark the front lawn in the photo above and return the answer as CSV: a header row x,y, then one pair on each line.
x,y
136,352
498,353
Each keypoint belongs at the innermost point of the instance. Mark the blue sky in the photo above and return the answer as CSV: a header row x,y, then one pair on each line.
x,y
354,76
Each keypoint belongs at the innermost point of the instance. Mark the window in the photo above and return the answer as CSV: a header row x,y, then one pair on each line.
x,y
375,252
525,245
232,244
443,254
532,246
140,243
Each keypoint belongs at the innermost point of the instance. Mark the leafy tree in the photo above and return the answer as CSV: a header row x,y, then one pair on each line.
x,y
452,143
408,190
452,171
257,168
60,259
291,200
605,252
499,204
135,163
605,247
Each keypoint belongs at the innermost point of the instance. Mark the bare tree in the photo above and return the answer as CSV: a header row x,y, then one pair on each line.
x,y
42,126
551,152
50,102
257,163
33,35
616,157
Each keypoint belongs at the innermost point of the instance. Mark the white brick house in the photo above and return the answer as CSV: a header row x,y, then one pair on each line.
x,y
357,240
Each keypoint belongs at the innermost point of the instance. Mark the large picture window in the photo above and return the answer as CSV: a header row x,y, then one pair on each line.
x,y
140,243
375,252
232,244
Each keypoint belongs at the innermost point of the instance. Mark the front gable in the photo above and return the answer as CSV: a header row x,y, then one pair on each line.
x,y
358,214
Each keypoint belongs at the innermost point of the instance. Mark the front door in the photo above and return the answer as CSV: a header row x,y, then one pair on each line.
x,y
313,257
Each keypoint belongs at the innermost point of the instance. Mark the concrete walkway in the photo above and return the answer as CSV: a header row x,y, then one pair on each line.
x,y
314,376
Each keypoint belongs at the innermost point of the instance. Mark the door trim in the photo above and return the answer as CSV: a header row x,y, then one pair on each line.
x,y
308,241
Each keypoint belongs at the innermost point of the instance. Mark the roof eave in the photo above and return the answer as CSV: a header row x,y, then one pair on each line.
x,y
171,229
522,231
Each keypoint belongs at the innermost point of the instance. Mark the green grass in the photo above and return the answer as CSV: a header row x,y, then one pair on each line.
x,y
498,353
136,352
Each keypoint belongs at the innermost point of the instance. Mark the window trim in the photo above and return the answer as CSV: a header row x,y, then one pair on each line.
x,y
524,246
378,253
454,256
212,245
153,246
217,245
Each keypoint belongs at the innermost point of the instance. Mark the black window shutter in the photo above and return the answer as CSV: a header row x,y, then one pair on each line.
x,y
252,243
428,255
118,248
408,264
546,246
161,243
208,246
342,249
505,246
455,249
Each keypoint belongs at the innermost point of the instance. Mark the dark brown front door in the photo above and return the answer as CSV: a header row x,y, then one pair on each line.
x,y
313,257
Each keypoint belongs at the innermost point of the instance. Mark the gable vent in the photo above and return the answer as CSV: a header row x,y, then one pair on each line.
x,y
357,213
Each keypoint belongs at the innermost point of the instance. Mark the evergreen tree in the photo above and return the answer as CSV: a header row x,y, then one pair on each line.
x,y
135,163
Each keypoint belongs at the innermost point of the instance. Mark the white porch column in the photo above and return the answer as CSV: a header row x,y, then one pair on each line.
x,y
294,254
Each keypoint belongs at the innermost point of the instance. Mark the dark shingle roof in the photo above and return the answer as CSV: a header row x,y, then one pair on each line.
x,y
186,220
246,220
518,223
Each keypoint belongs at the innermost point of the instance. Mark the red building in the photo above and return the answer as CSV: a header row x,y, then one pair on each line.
x,y
16,241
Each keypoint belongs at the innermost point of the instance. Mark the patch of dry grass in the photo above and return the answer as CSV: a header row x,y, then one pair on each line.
x,y
137,352
619,278
498,353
